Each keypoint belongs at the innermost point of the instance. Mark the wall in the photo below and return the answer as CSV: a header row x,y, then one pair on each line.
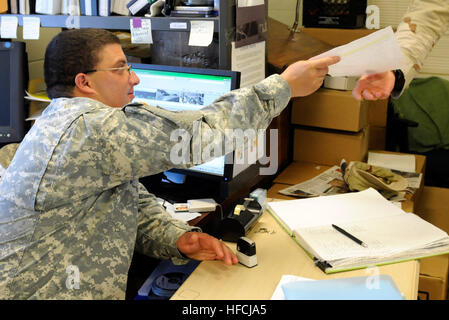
x,y
437,63
36,50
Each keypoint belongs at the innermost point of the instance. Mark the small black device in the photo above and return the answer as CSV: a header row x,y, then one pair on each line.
x,y
334,14
240,220
246,252
169,5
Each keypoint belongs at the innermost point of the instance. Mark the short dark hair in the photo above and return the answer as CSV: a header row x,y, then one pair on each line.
x,y
69,53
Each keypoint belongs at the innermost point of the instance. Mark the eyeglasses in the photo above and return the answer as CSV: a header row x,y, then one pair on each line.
x,y
127,68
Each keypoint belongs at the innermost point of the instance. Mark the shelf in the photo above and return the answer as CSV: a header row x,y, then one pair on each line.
x,y
113,22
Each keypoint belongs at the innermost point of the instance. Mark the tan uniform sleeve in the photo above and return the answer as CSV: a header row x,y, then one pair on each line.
x,y
418,32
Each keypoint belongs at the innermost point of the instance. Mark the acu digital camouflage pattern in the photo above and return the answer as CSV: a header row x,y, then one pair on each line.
x,y
7,153
71,198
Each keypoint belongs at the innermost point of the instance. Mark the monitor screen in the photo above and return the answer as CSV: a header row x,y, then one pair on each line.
x,y
181,88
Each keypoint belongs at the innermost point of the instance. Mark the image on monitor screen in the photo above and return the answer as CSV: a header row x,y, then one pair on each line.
x,y
181,88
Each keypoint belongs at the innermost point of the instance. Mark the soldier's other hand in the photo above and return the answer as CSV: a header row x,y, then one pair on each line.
x,y
201,246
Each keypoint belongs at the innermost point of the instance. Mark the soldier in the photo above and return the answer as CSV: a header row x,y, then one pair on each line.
x,y
421,27
72,211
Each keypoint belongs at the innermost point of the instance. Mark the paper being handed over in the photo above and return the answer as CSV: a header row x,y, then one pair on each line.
x,y
375,53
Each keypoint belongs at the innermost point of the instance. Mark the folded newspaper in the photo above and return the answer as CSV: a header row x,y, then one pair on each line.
x,y
331,182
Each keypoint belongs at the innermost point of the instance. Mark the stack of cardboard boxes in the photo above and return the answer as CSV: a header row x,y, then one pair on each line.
x,y
329,125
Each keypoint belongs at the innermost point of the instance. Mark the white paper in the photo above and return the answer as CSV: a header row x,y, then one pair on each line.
x,y
178,25
278,293
140,30
401,233
8,27
201,33
250,61
249,3
31,28
375,53
393,161
310,212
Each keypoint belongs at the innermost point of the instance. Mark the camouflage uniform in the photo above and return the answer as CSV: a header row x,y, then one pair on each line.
x,y
421,27
70,200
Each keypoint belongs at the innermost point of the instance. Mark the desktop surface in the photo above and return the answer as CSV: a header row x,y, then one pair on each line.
x,y
277,255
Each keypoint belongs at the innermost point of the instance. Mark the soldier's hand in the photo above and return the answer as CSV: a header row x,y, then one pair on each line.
x,y
201,246
306,76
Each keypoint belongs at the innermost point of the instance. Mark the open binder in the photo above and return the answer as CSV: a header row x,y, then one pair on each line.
x,y
391,234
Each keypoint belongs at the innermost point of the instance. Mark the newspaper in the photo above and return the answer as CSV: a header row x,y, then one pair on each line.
x,y
327,183
413,179
331,182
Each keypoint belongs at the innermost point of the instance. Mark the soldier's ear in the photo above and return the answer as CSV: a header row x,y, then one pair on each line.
x,y
83,84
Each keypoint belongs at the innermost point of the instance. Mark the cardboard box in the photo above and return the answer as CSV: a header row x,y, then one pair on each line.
x,y
332,109
329,147
433,278
377,112
377,137
433,206
431,288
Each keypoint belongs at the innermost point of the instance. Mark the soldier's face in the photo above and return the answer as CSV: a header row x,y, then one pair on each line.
x,y
114,88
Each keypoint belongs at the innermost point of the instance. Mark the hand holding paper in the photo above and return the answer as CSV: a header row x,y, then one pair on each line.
x,y
305,77
375,53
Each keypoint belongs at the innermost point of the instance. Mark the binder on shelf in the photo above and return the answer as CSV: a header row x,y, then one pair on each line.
x,y
14,6
120,7
88,7
48,6
139,7
3,6
104,8
73,8
391,235
27,6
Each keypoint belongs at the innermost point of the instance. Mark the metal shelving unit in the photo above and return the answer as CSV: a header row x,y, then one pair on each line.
x,y
224,26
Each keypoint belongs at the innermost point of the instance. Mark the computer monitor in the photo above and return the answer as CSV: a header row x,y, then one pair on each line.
x,y
181,88
14,78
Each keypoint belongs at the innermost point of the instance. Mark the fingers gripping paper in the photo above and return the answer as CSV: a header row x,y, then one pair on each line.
x,y
375,53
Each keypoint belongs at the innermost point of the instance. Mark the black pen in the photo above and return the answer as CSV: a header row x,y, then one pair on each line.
x,y
350,236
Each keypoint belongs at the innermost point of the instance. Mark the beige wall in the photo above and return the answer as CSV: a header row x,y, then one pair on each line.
x,y
284,11
36,50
